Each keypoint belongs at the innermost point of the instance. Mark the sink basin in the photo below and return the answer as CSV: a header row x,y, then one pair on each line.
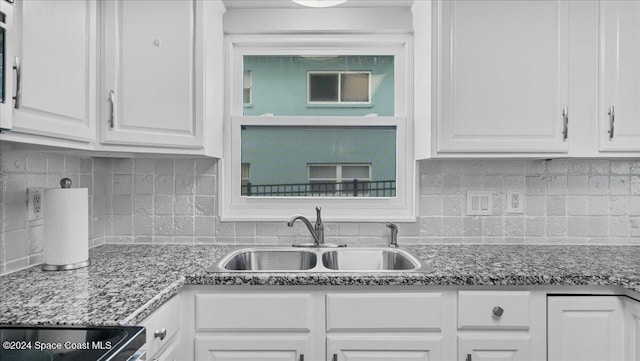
x,y
385,259
290,259
269,260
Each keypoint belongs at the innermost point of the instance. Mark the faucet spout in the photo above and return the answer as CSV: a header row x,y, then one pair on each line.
x,y
305,220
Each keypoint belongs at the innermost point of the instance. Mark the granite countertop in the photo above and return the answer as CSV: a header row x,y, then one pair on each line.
x,y
125,283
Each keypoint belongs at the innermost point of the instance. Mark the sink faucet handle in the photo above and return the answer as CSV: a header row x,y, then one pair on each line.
x,y
394,234
318,218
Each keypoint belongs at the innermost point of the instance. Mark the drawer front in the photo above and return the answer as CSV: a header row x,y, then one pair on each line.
x,y
248,312
481,309
166,317
380,311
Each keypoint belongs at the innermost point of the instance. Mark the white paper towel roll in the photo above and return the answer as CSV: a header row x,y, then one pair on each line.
x,y
66,226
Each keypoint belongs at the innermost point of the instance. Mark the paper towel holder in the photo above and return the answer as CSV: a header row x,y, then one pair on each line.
x,y
65,183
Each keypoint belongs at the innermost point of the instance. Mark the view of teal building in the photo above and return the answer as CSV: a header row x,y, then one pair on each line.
x,y
318,161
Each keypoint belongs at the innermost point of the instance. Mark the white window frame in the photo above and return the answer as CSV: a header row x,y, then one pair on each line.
x,y
401,208
339,74
244,87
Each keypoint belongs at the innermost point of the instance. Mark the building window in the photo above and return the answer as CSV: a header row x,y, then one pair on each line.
x,y
245,178
342,180
339,87
328,126
246,88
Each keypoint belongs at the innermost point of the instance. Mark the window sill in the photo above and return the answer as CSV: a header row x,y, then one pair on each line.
x,y
339,105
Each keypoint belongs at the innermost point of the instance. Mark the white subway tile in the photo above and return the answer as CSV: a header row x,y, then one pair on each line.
x,y
619,185
185,184
36,162
620,167
143,184
144,166
123,166
599,166
598,226
165,167
183,205
183,225
619,206
185,166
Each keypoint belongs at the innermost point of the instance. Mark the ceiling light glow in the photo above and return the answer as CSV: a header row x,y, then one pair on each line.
x,y
319,3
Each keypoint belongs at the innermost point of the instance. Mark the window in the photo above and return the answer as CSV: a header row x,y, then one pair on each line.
x,y
342,180
245,178
246,88
327,126
338,87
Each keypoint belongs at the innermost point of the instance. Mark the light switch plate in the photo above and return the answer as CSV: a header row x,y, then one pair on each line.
x,y
479,203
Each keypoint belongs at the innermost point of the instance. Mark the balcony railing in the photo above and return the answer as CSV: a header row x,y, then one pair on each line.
x,y
355,188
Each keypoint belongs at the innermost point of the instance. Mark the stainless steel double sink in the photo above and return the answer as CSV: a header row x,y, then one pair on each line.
x,y
289,259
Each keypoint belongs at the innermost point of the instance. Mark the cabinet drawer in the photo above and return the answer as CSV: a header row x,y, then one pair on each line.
x,y
380,311
476,309
166,317
249,311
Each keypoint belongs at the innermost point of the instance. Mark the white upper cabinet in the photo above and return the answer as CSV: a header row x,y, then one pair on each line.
x,y
619,115
56,53
502,76
153,73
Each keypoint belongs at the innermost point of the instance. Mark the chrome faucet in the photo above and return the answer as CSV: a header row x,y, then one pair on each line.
x,y
317,230
394,235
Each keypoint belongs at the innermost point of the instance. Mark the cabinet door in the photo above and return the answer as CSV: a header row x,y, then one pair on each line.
x,y
57,57
152,73
583,328
384,347
503,76
171,353
252,348
632,330
619,76
490,348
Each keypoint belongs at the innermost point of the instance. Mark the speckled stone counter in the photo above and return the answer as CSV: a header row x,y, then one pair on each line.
x,y
125,283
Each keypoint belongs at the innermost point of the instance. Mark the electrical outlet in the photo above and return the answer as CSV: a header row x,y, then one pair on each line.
x,y
515,201
35,203
479,203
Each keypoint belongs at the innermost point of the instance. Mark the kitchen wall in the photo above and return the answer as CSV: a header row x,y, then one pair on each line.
x,y
21,241
174,201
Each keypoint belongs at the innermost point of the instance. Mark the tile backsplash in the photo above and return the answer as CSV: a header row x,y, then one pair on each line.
x,y
174,201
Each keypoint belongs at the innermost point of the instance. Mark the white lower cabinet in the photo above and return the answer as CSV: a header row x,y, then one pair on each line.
x,y
253,347
632,330
494,348
162,327
403,323
384,347
501,325
279,324
584,328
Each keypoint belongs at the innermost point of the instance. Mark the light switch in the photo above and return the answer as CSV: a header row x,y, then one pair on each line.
x,y
479,203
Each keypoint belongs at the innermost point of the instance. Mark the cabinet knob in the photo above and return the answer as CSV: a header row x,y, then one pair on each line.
x,y
498,311
161,333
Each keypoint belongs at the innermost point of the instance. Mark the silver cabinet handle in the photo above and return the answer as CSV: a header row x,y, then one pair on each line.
x,y
335,357
161,333
112,100
18,95
498,311
301,357
468,357
565,123
612,118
